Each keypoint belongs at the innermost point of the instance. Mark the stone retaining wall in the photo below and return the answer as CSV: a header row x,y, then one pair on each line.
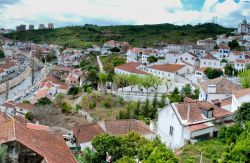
x,y
17,80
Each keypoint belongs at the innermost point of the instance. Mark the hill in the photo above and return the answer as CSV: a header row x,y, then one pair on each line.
x,y
136,35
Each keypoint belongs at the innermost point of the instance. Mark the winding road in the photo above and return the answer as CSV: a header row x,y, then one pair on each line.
x,y
100,64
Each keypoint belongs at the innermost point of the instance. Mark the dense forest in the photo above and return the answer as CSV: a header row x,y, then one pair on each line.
x,y
136,35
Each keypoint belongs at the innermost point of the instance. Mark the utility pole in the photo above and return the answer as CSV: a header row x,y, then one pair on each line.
x,y
7,89
32,70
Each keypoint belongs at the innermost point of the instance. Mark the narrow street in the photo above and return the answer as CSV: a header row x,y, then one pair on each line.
x,y
100,64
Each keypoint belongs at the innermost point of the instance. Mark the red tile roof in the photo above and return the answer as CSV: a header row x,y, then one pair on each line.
x,y
227,101
45,143
223,85
87,133
210,56
122,127
168,67
242,92
25,106
197,127
196,114
131,67
224,46
201,69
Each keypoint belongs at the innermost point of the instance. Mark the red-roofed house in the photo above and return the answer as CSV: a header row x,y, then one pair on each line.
x,y
35,143
16,109
168,71
141,54
130,68
210,61
189,121
85,134
239,97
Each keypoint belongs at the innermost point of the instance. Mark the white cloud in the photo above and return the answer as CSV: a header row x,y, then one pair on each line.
x,y
66,12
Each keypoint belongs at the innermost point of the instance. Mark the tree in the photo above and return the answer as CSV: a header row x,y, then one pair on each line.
x,y
243,113
1,54
133,80
3,150
187,90
148,81
175,96
78,108
126,159
168,84
120,80
224,61
229,70
156,82
29,116
161,154
43,101
92,78
26,102
163,101
234,44
103,79
87,156
213,73
73,91
59,99
245,78
152,59
247,66
115,50
107,143
196,93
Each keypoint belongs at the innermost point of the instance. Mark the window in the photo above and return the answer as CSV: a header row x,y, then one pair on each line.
x,y
171,130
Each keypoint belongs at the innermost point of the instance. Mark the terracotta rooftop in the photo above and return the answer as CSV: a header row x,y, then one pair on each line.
x,y
242,92
226,101
61,68
196,114
224,46
210,56
168,67
197,127
26,106
201,69
223,85
131,67
122,127
45,143
143,51
87,133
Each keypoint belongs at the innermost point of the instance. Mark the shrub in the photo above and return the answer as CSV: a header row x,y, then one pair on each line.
x,y
66,108
29,116
106,104
85,87
92,105
89,90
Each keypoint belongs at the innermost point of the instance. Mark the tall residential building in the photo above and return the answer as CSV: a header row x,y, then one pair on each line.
x,y
42,26
244,27
50,26
21,27
31,27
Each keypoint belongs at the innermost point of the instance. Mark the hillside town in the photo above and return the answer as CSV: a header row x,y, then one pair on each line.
x,y
57,102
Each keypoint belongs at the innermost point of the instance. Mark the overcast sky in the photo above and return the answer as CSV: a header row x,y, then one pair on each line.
x,y
117,12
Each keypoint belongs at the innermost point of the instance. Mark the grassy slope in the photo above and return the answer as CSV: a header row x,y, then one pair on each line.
x,y
212,151
84,36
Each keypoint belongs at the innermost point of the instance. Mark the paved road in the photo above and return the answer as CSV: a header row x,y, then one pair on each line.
x,y
100,64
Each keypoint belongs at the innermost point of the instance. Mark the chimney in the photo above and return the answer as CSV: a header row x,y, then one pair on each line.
x,y
37,122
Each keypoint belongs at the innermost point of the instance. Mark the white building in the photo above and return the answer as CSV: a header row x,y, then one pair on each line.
x,y
208,44
210,61
217,89
239,97
240,64
189,122
189,58
16,109
141,54
130,68
244,27
172,72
